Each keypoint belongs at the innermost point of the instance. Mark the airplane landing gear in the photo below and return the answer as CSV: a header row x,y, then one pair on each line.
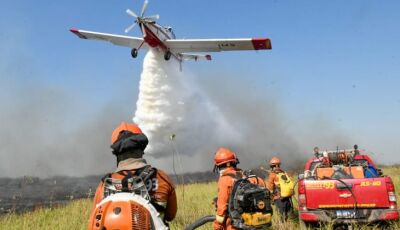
x,y
167,55
134,52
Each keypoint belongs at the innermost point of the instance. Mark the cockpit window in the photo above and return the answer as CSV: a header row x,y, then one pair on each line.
x,y
171,31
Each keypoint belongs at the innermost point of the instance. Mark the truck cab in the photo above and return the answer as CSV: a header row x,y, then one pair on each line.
x,y
344,188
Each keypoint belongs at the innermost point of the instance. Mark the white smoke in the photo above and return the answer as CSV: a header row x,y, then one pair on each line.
x,y
251,124
169,104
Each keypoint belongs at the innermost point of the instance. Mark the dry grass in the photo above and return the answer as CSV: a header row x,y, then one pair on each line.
x,y
73,216
194,201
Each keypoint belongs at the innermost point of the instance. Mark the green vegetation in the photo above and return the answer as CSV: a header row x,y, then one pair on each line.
x,y
194,201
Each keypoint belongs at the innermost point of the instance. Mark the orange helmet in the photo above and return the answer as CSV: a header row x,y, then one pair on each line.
x,y
223,156
274,161
124,126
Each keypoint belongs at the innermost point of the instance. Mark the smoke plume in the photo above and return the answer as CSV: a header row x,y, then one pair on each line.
x,y
45,132
170,108
170,105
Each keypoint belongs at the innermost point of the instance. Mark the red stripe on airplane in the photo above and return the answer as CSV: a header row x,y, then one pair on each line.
x,y
76,31
152,39
261,43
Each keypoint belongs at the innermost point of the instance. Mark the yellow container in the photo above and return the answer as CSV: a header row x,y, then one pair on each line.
x,y
256,219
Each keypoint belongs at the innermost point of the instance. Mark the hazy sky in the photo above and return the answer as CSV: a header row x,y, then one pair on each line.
x,y
333,62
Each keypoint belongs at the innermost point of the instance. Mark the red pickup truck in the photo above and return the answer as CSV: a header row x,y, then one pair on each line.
x,y
344,188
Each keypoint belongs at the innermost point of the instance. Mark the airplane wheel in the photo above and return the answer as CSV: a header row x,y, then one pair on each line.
x,y
167,55
134,52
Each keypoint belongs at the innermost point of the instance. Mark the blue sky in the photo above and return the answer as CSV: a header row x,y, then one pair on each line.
x,y
333,59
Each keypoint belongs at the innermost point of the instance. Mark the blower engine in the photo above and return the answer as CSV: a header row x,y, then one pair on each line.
x,y
125,211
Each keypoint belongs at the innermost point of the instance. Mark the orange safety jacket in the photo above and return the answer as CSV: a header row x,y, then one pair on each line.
x,y
225,185
273,183
162,192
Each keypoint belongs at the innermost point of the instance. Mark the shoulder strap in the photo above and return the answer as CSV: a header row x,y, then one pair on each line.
x,y
108,175
146,172
124,182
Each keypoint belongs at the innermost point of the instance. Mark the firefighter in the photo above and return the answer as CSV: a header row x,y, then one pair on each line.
x,y
225,162
356,151
283,204
317,154
128,144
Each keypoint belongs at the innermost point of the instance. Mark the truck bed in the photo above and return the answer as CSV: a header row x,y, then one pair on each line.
x,y
346,193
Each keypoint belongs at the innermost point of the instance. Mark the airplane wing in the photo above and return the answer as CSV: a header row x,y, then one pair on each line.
x,y
186,56
120,40
217,45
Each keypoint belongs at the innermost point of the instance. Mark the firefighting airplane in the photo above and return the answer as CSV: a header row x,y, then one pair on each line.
x,y
156,36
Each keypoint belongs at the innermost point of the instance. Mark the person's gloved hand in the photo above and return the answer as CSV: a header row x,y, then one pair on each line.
x,y
219,219
217,224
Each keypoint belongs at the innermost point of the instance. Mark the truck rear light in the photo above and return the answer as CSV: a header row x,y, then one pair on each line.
x,y
389,186
302,196
302,187
392,200
392,196
302,202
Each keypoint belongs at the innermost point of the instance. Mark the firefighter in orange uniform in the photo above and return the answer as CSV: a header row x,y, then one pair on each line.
x,y
284,205
128,144
225,163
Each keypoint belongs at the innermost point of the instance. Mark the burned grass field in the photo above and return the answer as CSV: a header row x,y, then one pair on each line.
x,y
194,201
19,195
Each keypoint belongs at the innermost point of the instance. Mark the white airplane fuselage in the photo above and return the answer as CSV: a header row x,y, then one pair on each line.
x,y
155,35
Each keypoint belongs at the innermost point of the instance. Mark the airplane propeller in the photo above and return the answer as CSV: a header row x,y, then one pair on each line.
x,y
130,27
152,17
131,13
140,19
146,2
